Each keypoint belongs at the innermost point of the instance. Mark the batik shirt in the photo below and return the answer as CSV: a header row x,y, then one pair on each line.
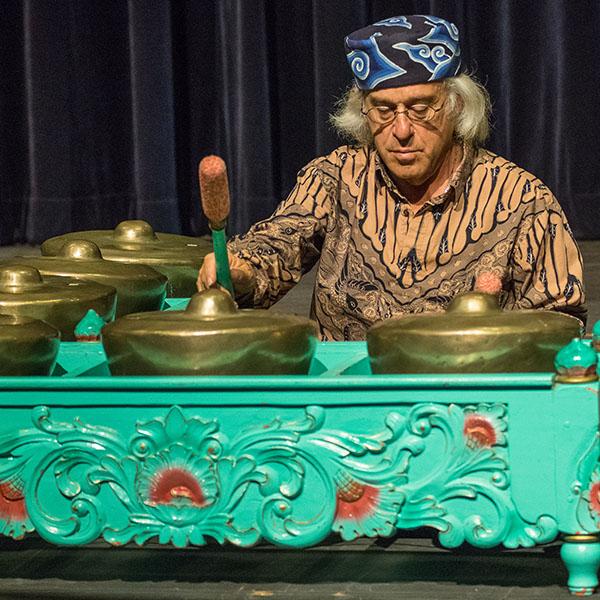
x,y
378,259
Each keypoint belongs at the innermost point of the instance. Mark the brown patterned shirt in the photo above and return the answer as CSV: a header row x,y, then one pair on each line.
x,y
378,258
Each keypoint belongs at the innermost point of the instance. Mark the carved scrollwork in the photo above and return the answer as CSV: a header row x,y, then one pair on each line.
x,y
182,480
473,465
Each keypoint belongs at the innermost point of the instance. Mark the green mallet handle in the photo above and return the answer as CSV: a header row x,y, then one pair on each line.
x,y
221,260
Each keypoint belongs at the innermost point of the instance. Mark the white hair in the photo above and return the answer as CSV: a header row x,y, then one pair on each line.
x,y
467,101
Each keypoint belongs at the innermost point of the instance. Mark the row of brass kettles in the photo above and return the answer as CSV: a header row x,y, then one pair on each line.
x,y
84,280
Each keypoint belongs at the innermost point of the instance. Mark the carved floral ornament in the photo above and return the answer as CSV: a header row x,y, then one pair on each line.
x,y
586,488
292,483
485,426
594,494
13,513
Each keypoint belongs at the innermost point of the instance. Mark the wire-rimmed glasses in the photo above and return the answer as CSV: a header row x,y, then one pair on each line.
x,y
417,113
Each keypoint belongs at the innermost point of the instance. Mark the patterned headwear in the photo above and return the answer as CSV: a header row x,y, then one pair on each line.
x,y
403,51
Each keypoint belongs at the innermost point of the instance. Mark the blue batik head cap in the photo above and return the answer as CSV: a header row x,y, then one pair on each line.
x,y
403,51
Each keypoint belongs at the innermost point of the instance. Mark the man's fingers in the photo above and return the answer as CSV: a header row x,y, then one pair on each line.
x,y
241,274
207,276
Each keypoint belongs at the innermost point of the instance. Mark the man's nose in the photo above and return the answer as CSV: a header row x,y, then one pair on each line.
x,y
402,127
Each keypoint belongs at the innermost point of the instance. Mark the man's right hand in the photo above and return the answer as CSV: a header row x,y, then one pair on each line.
x,y
242,274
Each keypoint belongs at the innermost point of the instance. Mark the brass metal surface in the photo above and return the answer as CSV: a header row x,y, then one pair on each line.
x,y
582,538
178,257
60,301
473,336
559,378
27,346
139,287
211,337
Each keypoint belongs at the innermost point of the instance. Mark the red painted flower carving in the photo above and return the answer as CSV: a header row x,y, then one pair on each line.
x,y
175,483
12,502
14,521
595,497
171,484
484,426
356,501
479,431
364,509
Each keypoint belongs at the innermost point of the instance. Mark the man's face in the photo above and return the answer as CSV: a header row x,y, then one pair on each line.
x,y
412,151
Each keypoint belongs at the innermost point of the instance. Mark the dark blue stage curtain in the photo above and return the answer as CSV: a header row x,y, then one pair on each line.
x,y
107,107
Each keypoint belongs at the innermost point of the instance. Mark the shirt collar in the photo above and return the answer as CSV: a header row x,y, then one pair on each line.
x,y
455,186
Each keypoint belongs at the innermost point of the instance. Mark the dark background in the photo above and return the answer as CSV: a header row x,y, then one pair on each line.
x,y
106,106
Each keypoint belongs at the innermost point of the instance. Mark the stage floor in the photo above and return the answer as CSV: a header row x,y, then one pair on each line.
x,y
402,569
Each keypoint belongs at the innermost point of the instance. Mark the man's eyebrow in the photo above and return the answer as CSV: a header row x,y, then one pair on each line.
x,y
423,98
381,102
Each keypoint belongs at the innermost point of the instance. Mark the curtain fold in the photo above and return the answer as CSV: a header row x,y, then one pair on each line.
x,y
107,107
245,92
152,115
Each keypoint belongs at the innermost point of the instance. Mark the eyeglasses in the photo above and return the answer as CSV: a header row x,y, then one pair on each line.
x,y
417,113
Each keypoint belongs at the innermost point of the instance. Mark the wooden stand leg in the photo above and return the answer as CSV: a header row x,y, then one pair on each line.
x,y
581,556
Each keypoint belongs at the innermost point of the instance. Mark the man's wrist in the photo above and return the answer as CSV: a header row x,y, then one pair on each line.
x,y
245,280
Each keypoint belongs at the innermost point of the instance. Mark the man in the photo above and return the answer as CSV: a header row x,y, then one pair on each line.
x,y
415,211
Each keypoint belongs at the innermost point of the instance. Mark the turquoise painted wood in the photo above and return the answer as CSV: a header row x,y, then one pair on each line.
x,y
507,459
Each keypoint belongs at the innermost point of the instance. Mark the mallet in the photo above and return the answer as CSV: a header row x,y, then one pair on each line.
x,y
214,192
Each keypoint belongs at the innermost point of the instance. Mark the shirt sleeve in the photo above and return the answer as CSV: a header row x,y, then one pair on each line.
x,y
287,245
547,265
